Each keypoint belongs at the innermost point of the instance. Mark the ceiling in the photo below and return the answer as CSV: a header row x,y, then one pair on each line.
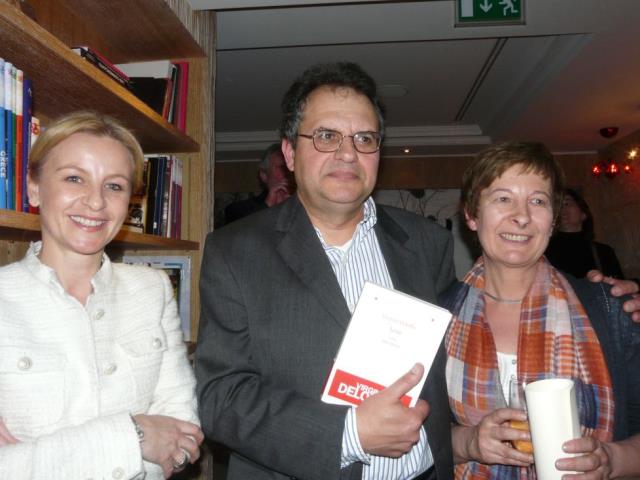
x,y
572,68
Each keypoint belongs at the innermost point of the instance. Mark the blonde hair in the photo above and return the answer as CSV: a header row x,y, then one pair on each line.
x,y
90,122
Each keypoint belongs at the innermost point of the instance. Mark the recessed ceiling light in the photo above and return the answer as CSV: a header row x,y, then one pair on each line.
x,y
406,150
392,91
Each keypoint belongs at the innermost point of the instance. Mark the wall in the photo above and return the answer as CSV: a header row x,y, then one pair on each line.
x,y
442,207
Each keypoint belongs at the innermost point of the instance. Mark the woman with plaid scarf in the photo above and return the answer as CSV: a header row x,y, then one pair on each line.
x,y
516,317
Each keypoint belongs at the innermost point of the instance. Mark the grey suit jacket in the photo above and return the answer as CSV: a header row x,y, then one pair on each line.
x,y
271,323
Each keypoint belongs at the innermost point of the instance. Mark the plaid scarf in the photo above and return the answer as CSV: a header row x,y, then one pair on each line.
x,y
555,340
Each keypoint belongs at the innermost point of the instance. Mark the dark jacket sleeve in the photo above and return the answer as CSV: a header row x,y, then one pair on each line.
x,y
619,339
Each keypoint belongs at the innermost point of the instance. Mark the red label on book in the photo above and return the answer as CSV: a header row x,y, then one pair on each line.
x,y
354,389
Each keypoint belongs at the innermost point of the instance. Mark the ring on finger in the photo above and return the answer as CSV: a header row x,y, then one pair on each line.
x,y
179,465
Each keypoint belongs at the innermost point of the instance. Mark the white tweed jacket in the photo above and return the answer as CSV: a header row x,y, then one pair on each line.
x,y
71,374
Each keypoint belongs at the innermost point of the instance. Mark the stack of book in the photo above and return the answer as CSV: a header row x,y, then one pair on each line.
x,y
100,61
18,131
157,208
163,85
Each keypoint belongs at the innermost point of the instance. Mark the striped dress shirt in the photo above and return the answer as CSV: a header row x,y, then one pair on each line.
x,y
354,263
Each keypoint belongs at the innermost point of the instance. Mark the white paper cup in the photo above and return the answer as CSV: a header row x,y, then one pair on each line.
x,y
553,419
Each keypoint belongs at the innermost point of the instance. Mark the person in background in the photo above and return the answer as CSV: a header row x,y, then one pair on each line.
x,y
277,292
517,319
277,185
572,248
94,377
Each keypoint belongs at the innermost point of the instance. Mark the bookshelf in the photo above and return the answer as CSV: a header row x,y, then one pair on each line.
x,y
38,38
25,227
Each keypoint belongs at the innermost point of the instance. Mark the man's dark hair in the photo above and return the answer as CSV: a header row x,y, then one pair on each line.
x,y
339,74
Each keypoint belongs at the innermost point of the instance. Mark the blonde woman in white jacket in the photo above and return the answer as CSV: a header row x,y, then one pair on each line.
x,y
94,378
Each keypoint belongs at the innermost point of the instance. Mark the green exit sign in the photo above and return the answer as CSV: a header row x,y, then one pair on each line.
x,y
489,12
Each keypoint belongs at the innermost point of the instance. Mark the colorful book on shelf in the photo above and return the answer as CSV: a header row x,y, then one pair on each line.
x,y
136,216
35,133
27,113
3,148
18,142
35,129
159,198
9,81
100,61
149,81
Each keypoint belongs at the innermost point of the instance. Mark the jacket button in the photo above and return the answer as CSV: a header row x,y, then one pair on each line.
x,y
25,363
99,314
110,368
156,343
117,473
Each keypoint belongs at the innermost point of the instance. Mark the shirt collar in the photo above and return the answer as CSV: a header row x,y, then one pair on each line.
x,y
48,275
369,220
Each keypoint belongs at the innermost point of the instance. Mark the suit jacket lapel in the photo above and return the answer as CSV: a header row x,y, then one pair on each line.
x,y
403,263
303,253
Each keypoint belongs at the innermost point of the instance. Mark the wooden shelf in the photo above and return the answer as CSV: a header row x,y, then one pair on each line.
x,y
26,227
132,30
64,82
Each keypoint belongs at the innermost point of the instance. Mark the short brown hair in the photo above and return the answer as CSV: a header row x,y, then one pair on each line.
x,y
93,123
492,162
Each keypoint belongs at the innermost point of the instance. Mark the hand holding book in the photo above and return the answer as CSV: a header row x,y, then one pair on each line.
x,y
386,426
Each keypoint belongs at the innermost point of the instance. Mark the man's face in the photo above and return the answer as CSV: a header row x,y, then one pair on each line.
x,y
337,181
278,179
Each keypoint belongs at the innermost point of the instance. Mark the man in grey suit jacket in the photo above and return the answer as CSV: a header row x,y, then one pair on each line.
x,y
277,291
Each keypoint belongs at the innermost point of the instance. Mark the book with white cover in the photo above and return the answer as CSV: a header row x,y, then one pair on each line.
x,y
389,333
154,68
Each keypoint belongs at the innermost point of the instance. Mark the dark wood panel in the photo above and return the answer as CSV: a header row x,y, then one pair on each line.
x,y
123,30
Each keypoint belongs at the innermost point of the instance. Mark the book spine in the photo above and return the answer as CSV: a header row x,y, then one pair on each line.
x,y
94,60
183,96
18,192
171,114
3,148
157,217
27,112
166,190
171,203
179,198
35,129
152,184
109,65
138,204
9,81
35,133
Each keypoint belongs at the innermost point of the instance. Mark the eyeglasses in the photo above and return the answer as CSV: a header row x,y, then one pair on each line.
x,y
327,141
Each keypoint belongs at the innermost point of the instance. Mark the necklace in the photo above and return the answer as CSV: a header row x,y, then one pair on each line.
x,y
503,300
